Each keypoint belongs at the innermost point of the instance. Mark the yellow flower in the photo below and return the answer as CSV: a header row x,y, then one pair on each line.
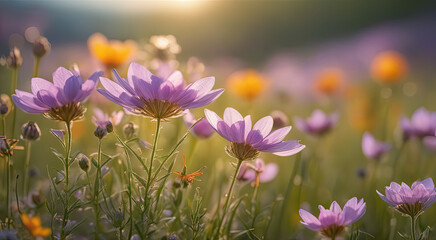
x,y
33,225
248,84
112,53
389,67
329,80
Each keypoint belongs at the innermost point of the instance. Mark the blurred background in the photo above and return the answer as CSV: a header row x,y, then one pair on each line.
x,y
308,54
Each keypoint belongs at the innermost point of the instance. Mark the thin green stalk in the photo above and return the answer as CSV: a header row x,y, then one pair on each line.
x,y
289,190
66,186
97,192
396,159
8,189
153,153
129,189
26,168
13,87
229,193
254,205
412,227
36,66
4,126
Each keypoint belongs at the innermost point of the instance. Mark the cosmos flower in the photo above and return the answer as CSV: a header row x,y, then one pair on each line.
x,y
259,172
329,80
248,84
411,201
60,100
318,123
389,67
332,222
111,53
34,226
246,142
372,148
146,94
202,129
422,123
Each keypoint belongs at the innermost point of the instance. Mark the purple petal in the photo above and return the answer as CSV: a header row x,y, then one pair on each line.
x,y
232,116
310,221
277,136
88,86
269,172
27,105
260,130
72,88
60,76
176,78
206,99
124,83
138,71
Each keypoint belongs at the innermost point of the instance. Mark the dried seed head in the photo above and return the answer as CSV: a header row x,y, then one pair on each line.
x,y
15,60
242,151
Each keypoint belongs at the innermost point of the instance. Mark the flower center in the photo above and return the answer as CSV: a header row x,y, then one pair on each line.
x,y
411,209
332,231
160,109
67,113
242,151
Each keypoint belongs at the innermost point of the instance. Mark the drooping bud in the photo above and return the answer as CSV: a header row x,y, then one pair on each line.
x,y
41,47
280,119
30,131
15,60
130,130
5,105
84,162
100,132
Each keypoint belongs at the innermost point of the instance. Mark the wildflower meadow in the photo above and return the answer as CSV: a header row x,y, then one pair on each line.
x,y
198,119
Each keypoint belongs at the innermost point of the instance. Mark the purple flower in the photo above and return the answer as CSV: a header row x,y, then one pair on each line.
x,y
202,129
247,141
413,200
146,94
422,123
318,123
259,172
430,142
60,100
372,148
332,222
101,119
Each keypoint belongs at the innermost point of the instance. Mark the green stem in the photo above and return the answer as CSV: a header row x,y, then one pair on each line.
x,y
129,189
66,186
153,153
412,227
13,87
229,193
26,169
4,126
97,192
8,189
254,206
36,66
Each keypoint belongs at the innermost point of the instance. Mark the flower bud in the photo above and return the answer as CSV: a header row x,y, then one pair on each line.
x,y
3,147
130,130
15,60
280,119
100,132
84,162
30,131
109,127
5,105
41,47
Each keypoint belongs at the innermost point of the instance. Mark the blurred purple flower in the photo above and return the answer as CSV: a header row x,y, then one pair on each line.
x,y
372,148
259,172
318,123
202,129
101,119
430,142
146,94
248,142
422,123
413,200
59,100
332,222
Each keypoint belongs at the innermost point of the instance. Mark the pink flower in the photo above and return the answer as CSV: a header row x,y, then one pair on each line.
x,y
202,129
259,172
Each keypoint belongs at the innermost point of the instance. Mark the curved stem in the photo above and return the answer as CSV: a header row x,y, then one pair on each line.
x,y
229,193
66,186
26,169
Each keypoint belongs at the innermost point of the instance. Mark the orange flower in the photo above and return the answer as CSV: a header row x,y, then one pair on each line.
x,y
248,84
188,178
111,53
329,80
33,225
389,67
